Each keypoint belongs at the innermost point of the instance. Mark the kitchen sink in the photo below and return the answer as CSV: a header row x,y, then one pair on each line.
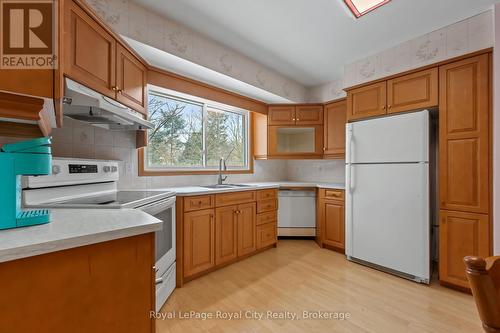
x,y
226,186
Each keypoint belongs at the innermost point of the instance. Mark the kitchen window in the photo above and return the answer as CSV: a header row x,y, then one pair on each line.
x,y
191,134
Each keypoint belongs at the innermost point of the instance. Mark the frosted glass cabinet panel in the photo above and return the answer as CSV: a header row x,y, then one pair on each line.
x,y
296,140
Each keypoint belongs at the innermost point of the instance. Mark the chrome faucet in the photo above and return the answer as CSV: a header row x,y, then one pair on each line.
x,y
222,167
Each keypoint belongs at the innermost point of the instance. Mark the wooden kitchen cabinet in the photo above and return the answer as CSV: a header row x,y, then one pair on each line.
x,y
90,51
309,115
266,234
367,101
103,287
334,130
330,229
295,142
199,241
413,91
464,135
461,234
130,80
226,234
281,115
247,232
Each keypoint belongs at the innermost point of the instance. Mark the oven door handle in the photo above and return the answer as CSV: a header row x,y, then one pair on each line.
x,y
159,206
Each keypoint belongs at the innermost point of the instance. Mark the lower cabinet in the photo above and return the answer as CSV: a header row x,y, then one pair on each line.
x,y
266,234
103,287
199,241
246,229
330,220
226,234
215,230
461,234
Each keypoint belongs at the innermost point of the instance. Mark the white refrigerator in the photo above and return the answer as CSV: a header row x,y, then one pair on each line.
x,y
387,194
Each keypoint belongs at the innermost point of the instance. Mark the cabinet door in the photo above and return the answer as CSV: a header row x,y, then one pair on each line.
x,y
413,91
89,51
367,101
309,115
247,232
296,141
199,241
334,130
281,115
461,234
464,151
226,234
332,223
266,235
130,80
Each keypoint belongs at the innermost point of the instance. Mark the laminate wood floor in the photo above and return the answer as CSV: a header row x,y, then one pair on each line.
x,y
298,276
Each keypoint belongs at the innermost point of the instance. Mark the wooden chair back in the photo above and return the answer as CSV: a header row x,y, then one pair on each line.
x,y
484,279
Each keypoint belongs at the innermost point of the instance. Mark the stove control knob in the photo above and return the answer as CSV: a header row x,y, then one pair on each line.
x,y
106,168
114,168
56,169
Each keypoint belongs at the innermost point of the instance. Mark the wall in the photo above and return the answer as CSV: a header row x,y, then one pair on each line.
x,y
496,132
329,171
472,34
138,23
79,140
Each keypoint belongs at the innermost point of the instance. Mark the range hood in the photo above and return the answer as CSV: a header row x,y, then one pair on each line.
x,y
84,104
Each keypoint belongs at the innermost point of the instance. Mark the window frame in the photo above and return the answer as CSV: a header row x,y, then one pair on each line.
x,y
145,170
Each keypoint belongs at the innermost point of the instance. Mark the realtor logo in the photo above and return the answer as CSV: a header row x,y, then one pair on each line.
x,y
28,34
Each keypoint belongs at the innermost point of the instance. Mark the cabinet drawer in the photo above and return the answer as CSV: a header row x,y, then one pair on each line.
x,y
267,205
334,194
266,235
267,217
267,194
234,198
198,202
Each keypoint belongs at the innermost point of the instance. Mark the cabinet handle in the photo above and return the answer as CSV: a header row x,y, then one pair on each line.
x,y
159,281
324,148
390,106
297,119
114,88
383,108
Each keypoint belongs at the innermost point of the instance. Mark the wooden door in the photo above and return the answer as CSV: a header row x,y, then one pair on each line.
x,y
464,149
266,234
247,232
90,51
334,130
461,234
413,91
130,80
309,147
199,241
367,101
309,115
226,234
331,214
281,115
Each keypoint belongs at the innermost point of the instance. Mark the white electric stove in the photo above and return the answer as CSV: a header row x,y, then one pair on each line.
x,y
92,184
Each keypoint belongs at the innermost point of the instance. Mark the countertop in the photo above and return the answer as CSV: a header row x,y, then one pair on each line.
x,y
199,190
71,228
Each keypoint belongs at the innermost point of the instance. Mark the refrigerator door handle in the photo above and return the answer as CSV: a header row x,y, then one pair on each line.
x,y
349,141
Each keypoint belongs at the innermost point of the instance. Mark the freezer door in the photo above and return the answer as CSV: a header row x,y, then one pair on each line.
x,y
387,216
399,138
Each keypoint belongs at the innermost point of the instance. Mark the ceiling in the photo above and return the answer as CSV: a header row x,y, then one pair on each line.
x,y
311,43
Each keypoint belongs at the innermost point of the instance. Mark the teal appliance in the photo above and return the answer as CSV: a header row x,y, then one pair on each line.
x,y
26,158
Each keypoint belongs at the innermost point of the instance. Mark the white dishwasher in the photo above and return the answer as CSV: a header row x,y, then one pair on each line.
x,y
297,212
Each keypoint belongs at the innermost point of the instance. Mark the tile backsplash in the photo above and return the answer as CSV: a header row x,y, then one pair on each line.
x,y
80,140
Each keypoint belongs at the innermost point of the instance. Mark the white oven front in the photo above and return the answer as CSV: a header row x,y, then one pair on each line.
x,y
164,210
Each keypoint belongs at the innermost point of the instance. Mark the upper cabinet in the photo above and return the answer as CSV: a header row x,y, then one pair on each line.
x,y
334,129
296,115
413,91
96,59
405,93
90,51
367,101
281,115
130,80
309,115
